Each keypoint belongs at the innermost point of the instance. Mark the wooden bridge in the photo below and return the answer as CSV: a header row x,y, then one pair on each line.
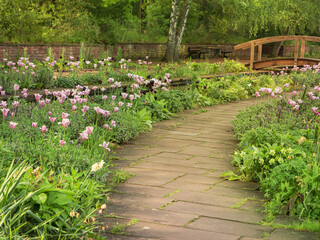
x,y
296,60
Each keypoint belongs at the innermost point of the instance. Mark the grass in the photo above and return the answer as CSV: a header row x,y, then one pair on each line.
x,y
120,177
200,111
191,221
168,204
172,193
239,204
120,229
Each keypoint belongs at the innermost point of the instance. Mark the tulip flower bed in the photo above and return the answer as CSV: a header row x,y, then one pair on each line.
x,y
279,147
70,73
56,151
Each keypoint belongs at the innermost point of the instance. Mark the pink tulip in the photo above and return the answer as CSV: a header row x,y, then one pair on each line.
x,y
47,100
113,123
294,93
3,104
41,103
37,96
131,97
73,101
98,110
257,94
25,95
121,104
85,109
5,111
286,85
106,126
89,130
113,97
34,124
74,107
296,107
65,122
13,125
116,109
15,87
124,95
15,104
46,92
105,145
105,113
314,109
129,104
49,113
104,97
52,119
44,128
94,88
84,135
3,93
278,90
62,142
65,115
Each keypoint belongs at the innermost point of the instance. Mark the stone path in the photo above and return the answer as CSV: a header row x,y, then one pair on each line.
x,y
177,192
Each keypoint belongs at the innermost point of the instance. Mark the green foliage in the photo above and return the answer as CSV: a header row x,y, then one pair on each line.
x,y
279,148
105,21
36,203
44,78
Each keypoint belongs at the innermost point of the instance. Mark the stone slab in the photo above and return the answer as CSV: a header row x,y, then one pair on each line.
x,y
230,227
145,190
203,198
288,234
174,233
151,215
216,212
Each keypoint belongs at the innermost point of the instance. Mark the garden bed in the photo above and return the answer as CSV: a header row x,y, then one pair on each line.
x,y
56,151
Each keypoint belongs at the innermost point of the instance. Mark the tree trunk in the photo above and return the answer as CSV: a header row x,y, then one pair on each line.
x,y
182,24
172,31
277,46
276,49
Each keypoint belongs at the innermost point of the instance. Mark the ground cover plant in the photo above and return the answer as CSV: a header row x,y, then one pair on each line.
x,y
279,146
56,150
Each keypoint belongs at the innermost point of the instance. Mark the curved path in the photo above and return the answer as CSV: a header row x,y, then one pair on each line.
x,y
176,192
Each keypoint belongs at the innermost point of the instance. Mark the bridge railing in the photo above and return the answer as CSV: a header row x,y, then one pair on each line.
x,y
299,43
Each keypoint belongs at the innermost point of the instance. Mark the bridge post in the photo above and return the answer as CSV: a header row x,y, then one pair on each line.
x,y
296,51
302,49
252,55
259,52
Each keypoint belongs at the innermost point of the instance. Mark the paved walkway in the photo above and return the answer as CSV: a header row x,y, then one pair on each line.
x,y
177,192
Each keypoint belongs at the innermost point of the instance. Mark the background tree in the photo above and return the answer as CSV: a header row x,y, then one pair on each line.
x,y
281,17
176,33
112,21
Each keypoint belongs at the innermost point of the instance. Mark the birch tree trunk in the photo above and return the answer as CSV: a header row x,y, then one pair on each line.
x,y
276,49
277,45
169,56
180,30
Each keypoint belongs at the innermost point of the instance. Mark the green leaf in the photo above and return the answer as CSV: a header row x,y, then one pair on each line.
x,y
231,176
62,200
42,197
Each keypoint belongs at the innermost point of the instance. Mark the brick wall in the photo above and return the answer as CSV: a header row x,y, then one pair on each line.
x,y
39,52
128,50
